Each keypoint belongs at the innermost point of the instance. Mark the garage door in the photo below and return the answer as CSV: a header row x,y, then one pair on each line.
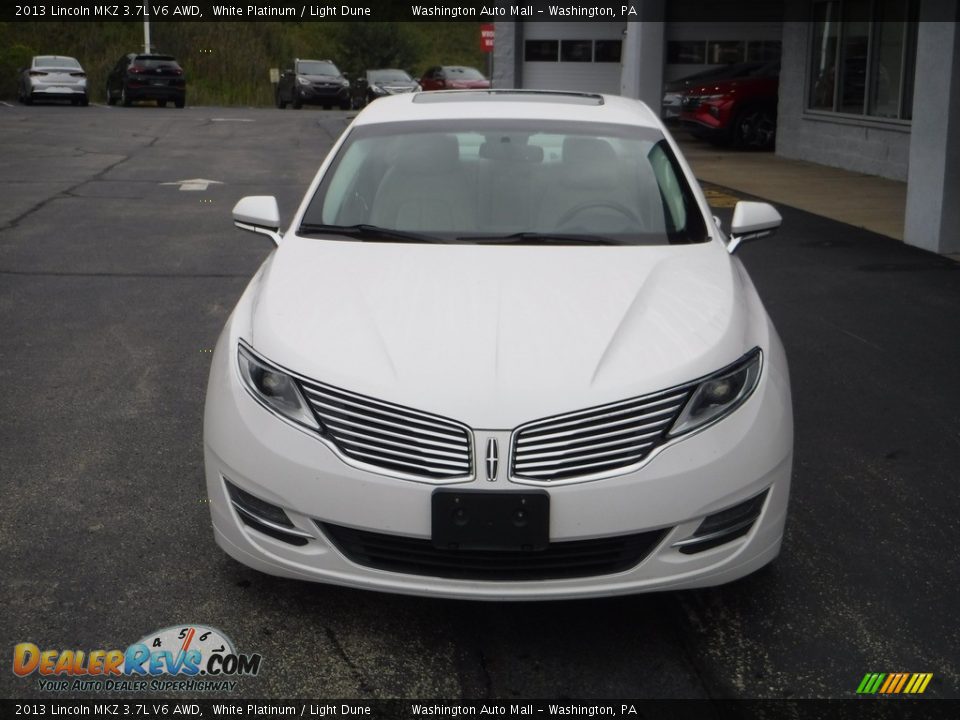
x,y
572,56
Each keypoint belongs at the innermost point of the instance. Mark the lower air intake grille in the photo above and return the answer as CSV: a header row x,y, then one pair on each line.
x,y
597,440
392,437
561,560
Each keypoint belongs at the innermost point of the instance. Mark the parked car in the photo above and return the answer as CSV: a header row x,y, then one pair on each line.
x,y
674,90
502,351
741,111
313,82
453,77
53,77
376,83
137,77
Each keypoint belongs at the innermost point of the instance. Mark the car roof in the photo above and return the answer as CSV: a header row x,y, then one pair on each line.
x,y
509,104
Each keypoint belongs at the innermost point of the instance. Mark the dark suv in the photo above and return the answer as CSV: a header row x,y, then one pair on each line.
x,y
313,82
147,77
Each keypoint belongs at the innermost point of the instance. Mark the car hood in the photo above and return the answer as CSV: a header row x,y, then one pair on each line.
x,y
466,84
332,79
396,84
494,336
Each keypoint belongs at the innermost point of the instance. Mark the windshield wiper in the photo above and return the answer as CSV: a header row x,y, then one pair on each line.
x,y
368,232
541,238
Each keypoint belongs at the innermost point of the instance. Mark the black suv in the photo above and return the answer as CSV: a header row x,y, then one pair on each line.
x,y
313,82
147,77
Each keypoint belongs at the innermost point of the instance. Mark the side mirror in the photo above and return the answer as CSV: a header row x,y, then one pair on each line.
x,y
752,220
288,71
258,214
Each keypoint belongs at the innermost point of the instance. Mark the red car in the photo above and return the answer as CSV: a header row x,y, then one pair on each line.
x,y
453,77
740,111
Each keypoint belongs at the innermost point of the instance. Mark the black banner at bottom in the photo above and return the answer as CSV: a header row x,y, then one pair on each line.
x,y
858,709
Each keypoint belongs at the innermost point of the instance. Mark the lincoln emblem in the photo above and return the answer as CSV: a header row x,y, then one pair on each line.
x,y
492,459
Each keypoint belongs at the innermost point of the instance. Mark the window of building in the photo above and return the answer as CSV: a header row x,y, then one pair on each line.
x,y
607,51
687,52
763,51
601,51
724,52
576,50
541,50
861,59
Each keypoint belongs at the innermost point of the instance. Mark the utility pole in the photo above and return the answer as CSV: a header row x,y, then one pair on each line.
x,y
146,27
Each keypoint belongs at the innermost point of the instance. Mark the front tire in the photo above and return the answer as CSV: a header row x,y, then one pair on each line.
x,y
280,102
297,102
84,101
181,103
755,129
161,103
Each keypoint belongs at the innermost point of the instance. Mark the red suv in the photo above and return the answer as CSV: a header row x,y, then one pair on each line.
x,y
741,111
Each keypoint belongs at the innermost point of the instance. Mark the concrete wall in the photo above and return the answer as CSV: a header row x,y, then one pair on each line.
x,y
867,146
933,190
505,48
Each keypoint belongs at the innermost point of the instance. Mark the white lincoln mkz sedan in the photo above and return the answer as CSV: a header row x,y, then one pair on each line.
x,y
503,351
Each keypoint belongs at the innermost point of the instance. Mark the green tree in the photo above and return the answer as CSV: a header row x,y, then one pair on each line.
x,y
12,58
375,45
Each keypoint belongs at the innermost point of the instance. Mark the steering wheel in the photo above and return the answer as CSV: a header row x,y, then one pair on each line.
x,y
616,207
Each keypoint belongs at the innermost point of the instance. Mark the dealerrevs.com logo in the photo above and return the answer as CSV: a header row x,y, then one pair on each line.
x,y
186,658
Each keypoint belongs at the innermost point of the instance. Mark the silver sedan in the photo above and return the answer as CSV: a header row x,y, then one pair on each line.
x,y
53,77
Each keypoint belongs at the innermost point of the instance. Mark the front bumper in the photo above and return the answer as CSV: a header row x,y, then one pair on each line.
x,y
320,94
746,454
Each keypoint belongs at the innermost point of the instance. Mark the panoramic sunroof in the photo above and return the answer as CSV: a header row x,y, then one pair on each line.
x,y
544,96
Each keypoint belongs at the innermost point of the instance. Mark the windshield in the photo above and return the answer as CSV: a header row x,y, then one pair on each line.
x,y
316,67
531,181
377,76
50,61
155,61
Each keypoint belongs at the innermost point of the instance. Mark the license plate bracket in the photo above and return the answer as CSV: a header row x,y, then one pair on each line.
x,y
490,520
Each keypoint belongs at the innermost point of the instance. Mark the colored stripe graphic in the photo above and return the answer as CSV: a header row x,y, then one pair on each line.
x,y
894,683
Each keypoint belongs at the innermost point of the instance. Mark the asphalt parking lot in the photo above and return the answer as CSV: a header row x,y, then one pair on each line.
x,y
114,285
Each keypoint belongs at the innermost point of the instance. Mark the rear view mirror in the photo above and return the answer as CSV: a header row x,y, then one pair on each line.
x,y
258,214
752,220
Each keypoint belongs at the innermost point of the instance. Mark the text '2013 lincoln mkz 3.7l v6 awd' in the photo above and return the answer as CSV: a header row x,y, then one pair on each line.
x,y
503,351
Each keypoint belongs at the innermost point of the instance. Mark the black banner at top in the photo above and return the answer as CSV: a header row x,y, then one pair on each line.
x,y
457,10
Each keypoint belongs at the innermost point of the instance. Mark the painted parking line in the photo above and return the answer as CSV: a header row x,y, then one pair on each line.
x,y
717,198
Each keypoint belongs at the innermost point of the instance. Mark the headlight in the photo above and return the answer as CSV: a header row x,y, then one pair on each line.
x,y
720,394
302,80
274,388
378,90
345,83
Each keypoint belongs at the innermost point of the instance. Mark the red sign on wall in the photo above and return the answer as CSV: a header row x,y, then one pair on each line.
x,y
486,37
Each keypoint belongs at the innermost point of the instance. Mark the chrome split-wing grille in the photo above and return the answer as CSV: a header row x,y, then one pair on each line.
x,y
391,437
597,440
